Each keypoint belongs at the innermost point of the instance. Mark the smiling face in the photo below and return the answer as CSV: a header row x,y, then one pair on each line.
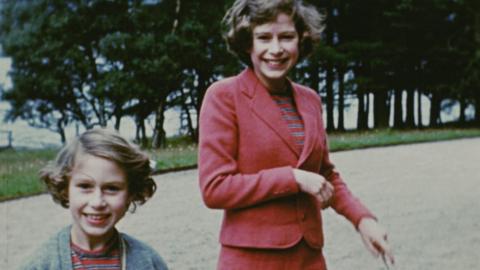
x,y
274,51
98,199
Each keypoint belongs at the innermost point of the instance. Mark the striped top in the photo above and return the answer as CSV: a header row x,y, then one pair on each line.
x,y
292,118
107,258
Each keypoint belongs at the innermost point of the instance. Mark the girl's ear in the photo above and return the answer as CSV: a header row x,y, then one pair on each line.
x,y
130,206
64,183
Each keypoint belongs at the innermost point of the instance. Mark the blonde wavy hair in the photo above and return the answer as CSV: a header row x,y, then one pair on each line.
x,y
105,144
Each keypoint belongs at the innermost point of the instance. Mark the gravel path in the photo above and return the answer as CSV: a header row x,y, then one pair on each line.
x,y
426,195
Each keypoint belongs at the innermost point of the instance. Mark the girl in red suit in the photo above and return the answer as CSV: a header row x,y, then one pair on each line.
x,y
263,154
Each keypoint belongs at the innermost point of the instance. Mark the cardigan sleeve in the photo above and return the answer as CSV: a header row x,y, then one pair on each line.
x,y
221,183
53,254
141,256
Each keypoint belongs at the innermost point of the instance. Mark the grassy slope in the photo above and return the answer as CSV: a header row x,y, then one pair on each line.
x,y
19,168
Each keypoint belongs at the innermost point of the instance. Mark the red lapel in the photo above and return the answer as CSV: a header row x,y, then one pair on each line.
x,y
265,108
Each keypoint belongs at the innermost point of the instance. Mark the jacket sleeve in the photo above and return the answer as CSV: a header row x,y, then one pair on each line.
x,y
343,201
221,183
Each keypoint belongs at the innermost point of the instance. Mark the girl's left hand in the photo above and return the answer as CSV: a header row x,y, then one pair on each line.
x,y
374,237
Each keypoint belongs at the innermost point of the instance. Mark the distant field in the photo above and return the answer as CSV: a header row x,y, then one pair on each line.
x,y
19,168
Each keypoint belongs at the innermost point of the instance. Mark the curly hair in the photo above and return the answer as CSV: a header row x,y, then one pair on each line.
x,y
104,144
244,15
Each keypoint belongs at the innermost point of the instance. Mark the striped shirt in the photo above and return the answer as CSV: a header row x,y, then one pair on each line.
x,y
292,118
107,258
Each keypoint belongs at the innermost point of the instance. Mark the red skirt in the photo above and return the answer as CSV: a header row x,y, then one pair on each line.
x,y
301,257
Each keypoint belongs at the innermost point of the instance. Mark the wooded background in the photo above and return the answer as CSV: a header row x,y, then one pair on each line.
x,y
92,61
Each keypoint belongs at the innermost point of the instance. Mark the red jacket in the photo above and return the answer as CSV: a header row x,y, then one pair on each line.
x,y
246,157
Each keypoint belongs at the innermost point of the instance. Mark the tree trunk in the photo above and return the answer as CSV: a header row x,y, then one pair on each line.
x,y
329,97
477,112
118,120
137,130
159,139
463,107
410,118
143,134
341,100
380,109
435,110
314,70
61,131
140,132
398,110
93,83
201,90
362,122
419,109
186,111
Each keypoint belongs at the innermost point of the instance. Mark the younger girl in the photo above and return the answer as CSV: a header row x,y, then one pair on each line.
x,y
98,176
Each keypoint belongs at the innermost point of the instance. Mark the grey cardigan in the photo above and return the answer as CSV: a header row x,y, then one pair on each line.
x,y
56,254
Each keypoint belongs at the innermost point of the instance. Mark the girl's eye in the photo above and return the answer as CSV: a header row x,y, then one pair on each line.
x,y
84,186
288,37
112,189
263,37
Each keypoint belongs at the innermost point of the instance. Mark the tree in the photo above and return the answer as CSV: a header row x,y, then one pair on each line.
x,y
57,59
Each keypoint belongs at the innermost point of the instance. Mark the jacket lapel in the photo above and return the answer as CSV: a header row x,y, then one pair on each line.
x,y
310,122
265,108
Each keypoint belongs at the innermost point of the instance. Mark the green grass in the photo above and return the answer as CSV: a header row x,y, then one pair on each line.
x,y
19,168
19,171
385,137
175,156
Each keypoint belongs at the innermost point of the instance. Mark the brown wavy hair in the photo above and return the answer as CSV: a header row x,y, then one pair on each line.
x,y
244,15
105,144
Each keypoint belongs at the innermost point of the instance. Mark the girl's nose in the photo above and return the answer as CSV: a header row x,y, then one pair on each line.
x,y
97,200
276,46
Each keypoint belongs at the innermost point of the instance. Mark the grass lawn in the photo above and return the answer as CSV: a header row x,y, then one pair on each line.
x,y
385,137
19,167
18,171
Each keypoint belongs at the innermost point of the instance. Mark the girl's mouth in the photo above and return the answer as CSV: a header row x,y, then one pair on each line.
x,y
96,219
276,63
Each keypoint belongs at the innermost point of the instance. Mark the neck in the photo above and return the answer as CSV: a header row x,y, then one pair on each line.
x,y
276,87
92,243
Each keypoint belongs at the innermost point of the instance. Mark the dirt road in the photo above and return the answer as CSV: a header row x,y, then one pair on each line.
x,y
426,195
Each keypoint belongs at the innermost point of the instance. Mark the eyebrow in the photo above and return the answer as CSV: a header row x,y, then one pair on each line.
x,y
87,178
115,182
270,33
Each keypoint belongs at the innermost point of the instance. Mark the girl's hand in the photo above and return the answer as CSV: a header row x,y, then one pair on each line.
x,y
374,237
314,184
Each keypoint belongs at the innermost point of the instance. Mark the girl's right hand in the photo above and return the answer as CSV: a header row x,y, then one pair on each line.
x,y
315,185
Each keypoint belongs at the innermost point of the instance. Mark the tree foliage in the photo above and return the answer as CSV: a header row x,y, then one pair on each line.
x,y
95,61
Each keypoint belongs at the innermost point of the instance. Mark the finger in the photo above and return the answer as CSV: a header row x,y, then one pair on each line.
x,y
390,257
371,246
329,189
325,194
389,254
319,192
384,248
330,186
